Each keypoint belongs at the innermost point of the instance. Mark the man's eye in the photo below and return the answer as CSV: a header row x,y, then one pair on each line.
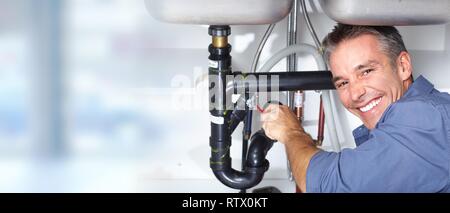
x,y
365,72
341,84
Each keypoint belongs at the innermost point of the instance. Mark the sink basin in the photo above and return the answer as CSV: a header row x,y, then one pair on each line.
x,y
387,12
219,12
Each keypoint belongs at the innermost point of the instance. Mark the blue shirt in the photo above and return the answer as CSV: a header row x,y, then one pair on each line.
x,y
407,151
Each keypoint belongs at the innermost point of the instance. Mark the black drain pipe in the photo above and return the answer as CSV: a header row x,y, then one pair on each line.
x,y
224,120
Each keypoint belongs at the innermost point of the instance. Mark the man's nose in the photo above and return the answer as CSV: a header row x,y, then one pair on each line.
x,y
357,90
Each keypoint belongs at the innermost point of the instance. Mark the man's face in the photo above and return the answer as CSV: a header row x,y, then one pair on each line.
x,y
364,78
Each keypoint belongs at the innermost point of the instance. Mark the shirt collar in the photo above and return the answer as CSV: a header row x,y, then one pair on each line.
x,y
421,86
361,135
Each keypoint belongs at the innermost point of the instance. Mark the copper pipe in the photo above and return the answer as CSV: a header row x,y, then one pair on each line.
x,y
321,126
298,109
298,105
299,113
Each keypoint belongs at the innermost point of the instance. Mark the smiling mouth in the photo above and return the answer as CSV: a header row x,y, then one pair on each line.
x,y
370,105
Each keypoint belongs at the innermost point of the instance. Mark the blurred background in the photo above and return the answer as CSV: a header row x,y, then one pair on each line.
x,y
97,96
85,100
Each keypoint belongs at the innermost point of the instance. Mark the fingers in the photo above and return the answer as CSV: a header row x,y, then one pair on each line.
x,y
269,129
269,120
264,126
275,112
271,109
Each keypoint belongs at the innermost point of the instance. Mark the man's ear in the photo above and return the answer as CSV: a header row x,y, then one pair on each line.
x,y
404,66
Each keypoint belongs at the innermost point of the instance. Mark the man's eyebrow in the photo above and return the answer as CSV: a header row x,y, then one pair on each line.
x,y
358,67
367,64
337,78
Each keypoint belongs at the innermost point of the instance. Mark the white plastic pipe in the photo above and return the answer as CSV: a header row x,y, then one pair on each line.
x,y
330,119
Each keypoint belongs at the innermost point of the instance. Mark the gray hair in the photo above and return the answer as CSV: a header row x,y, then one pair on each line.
x,y
389,39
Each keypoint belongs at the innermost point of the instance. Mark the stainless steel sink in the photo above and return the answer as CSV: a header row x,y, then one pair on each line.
x,y
387,12
219,12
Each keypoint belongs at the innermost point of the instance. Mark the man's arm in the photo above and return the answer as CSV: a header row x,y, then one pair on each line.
x,y
300,149
279,123
407,152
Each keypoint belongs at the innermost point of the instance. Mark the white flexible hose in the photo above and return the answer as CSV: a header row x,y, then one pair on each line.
x,y
326,95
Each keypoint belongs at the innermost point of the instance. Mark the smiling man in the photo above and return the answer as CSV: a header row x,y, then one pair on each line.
x,y
403,144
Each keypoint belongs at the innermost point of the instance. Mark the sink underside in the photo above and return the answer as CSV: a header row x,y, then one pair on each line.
x,y
219,12
253,12
387,12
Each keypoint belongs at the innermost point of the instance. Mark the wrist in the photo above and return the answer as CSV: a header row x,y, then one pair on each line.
x,y
296,136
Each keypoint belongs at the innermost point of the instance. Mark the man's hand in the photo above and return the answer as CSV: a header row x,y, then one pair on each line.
x,y
278,122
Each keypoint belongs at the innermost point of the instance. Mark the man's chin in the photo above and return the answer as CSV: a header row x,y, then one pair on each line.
x,y
370,124
369,119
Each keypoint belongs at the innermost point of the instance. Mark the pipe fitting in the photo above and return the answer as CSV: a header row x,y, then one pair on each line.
x,y
256,164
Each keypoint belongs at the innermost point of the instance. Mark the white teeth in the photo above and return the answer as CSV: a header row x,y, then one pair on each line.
x,y
370,105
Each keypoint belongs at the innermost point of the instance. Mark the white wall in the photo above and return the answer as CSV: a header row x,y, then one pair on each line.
x,y
428,45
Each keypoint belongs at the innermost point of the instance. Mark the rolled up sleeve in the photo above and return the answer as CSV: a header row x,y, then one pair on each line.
x,y
407,152
319,163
